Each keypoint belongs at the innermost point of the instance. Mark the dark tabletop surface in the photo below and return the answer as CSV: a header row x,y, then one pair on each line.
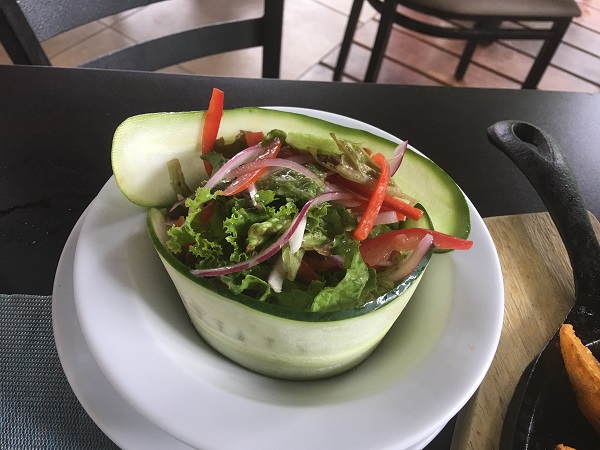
x,y
56,127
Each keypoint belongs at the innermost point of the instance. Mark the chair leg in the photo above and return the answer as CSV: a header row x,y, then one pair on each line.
x,y
347,42
465,59
21,46
273,17
388,14
546,53
471,46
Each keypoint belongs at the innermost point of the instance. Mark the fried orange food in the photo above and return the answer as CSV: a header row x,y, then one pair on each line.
x,y
583,370
563,447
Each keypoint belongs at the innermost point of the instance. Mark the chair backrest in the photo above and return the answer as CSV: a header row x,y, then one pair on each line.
x,y
24,24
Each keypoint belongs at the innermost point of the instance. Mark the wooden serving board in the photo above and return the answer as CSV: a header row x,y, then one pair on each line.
x,y
538,294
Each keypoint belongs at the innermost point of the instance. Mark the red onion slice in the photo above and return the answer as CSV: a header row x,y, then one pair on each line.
x,y
386,217
301,159
351,203
413,260
295,241
277,275
252,193
271,163
396,158
332,186
338,260
244,156
180,201
278,244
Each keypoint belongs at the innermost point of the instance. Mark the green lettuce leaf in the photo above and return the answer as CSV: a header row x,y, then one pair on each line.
x,y
288,184
291,261
349,292
221,230
247,283
277,220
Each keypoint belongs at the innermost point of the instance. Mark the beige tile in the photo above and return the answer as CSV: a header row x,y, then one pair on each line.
x,y
245,63
318,72
555,79
177,69
64,41
529,47
112,20
103,42
356,64
576,36
176,15
590,17
584,39
421,57
313,30
367,12
504,60
593,3
411,50
310,32
4,59
369,29
321,73
391,72
578,62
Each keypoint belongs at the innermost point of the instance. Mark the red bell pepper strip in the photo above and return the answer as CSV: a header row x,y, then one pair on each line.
x,y
212,121
389,202
376,250
365,225
254,138
402,207
243,181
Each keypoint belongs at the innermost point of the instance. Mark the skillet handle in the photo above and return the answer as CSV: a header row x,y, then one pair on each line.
x,y
542,161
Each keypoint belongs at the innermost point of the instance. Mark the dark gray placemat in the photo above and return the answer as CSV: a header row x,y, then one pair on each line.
x,y
38,409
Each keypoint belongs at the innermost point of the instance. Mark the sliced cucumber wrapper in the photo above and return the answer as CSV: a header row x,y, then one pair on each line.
x,y
143,145
266,338
276,341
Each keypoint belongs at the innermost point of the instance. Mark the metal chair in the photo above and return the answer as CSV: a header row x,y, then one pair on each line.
x,y
25,23
487,17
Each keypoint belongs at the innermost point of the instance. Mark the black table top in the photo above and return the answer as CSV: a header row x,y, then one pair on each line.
x,y
56,127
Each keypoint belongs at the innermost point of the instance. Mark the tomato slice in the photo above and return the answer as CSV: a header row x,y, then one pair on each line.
x,y
254,138
378,250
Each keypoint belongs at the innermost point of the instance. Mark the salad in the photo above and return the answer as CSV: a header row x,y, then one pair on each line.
x,y
294,243
302,222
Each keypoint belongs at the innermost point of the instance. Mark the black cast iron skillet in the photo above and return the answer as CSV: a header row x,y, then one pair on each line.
x,y
543,411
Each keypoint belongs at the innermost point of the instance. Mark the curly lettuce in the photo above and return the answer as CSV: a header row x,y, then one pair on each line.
x,y
216,230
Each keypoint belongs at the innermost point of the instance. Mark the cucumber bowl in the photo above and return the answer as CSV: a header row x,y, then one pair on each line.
x,y
280,342
270,339
427,366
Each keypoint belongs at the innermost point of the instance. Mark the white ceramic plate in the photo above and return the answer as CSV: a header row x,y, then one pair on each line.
x,y
424,371
115,417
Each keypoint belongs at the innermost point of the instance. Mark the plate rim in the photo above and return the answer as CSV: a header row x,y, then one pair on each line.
x,y
103,404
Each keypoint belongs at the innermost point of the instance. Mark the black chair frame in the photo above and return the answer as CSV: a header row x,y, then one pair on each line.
x,y
21,37
484,30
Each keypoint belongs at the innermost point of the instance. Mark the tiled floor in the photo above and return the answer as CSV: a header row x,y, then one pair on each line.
x,y
312,33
